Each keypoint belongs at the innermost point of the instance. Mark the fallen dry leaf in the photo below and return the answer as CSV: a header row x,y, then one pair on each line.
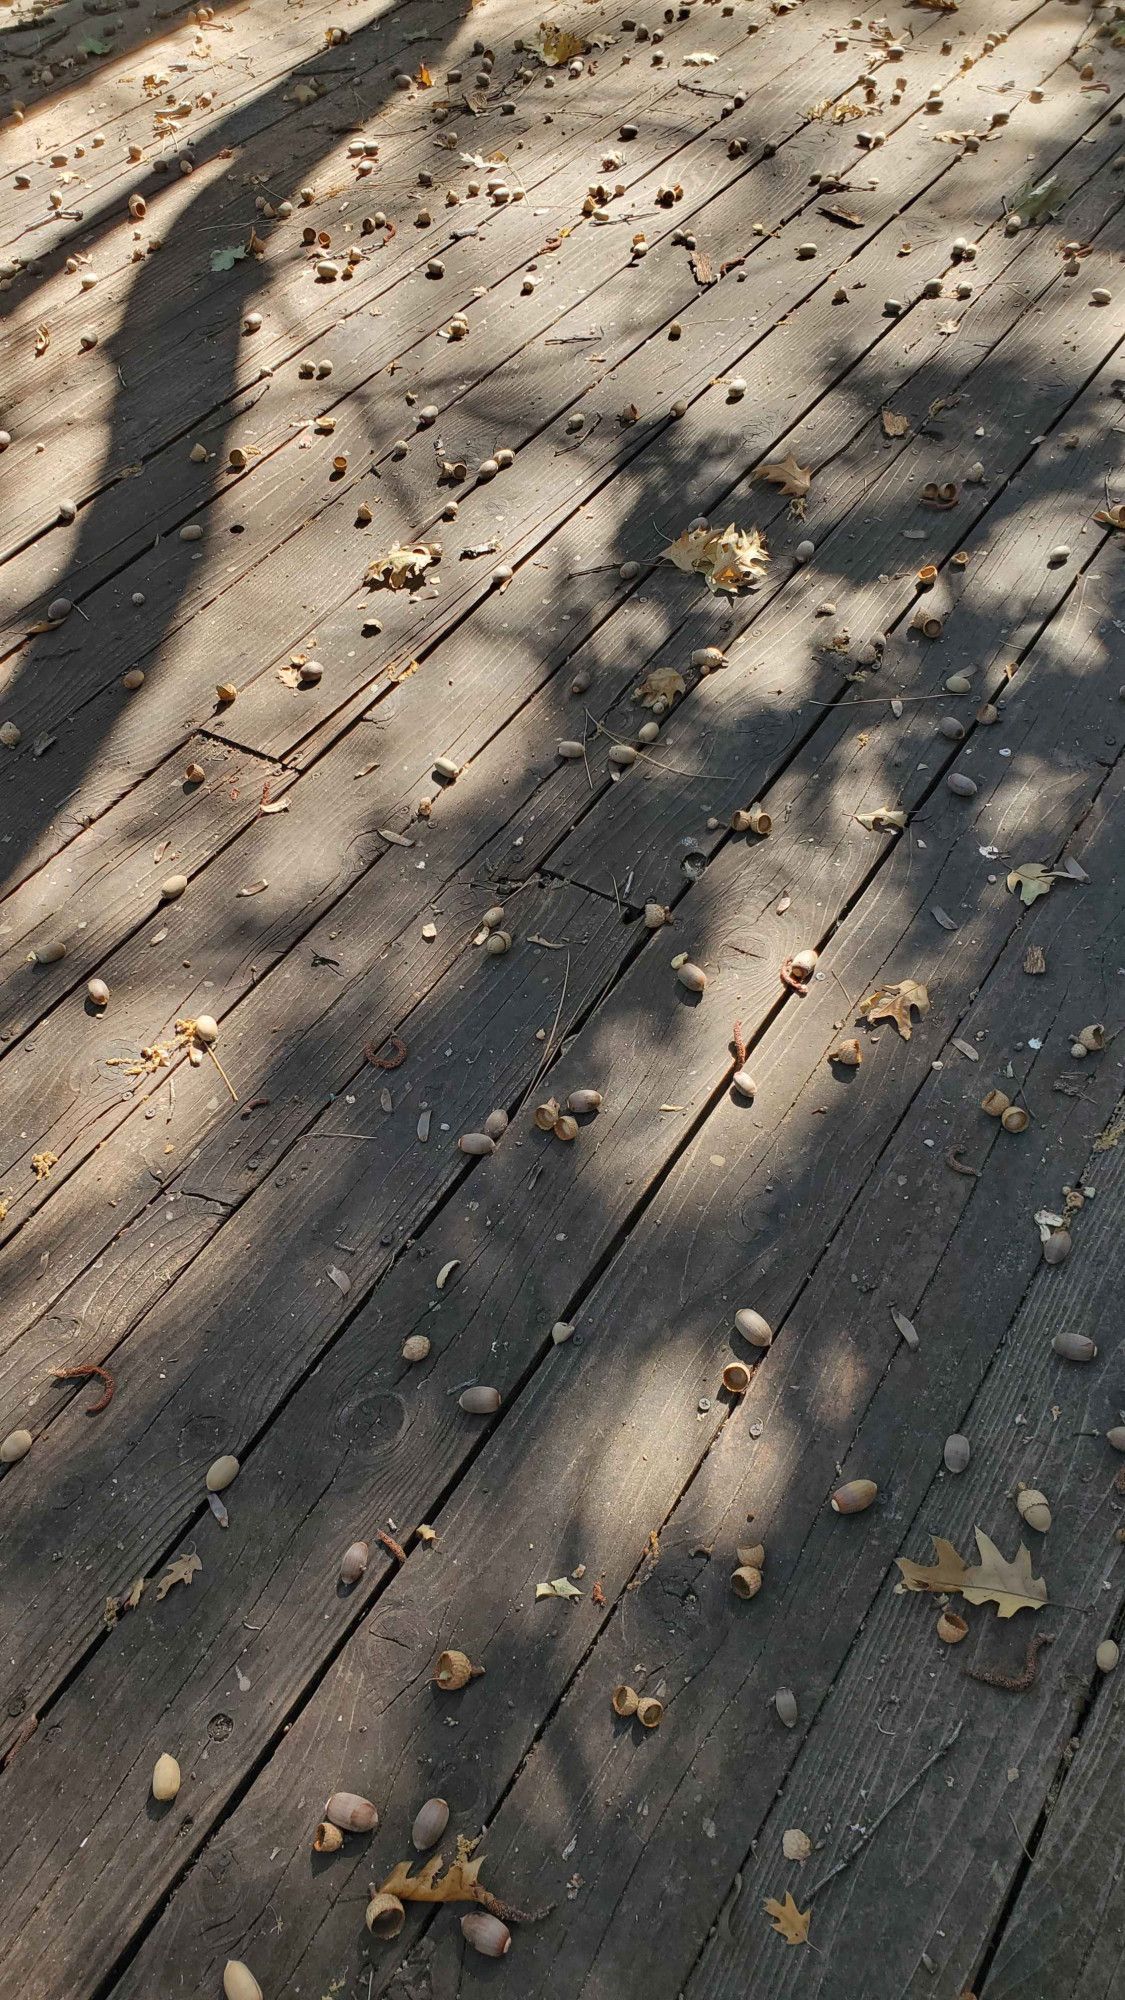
x,y
1034,959
1111,517
555,45
882,819
728,559
893,1003
794,480
561,1587
459,1884
660,688
1032,879
180,1571
401,568
946,1573
1009,1585
895,426
792,1923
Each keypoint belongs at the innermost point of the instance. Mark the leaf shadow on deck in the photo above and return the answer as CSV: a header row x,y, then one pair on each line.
x,y
363,1403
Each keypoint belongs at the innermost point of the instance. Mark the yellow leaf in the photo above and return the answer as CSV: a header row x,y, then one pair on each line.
x,y
1032,879
792,1923
946,1573
728,559
559,45
793,479
401,568
423,79
561,1587
180,1571
893,1003
1009,1585
458,1884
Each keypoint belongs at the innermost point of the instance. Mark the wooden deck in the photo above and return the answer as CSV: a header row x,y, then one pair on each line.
x,y
729,238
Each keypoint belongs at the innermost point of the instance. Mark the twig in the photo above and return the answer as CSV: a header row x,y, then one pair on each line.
x,y
109,1386
870,1832
550,1038
1019,1836
223,1074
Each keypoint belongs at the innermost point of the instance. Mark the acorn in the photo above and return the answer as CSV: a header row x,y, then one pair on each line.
x,y
415,1347
961,786
353,1562
15,1446
454,1670
206,1029
1070,1345
351,1813
956,1452
744,1084
239,1982
565,1128
650,1712
327,1839
97,992
691,976
854,1497
496,1124
222,1473
430,1822
479,1401
1034,1508
478,1145
1057,1247
172,887
1015,1118
753,1327
1116,1437
785,1702
498,943
1107,1656
625,1699
194,774
746,1581
165,1779
656,915
486,1933
952,1628
384,1915
582,1101
995,1103
50,954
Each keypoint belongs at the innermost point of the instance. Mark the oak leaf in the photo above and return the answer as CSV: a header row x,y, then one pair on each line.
x,y
401,568
793,479
883,818
180,1571
786,1918
429,1885
1009,1585
561,1587
946,1573
555,45
1032,879
660,688
1111,517
728,558
894,426
893,1003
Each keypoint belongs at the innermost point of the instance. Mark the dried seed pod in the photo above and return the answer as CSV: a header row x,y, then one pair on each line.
x,y
737,1377
172,887
15,1446
327,1839
650,1712
239,1982
97,992
496,1124
50,954
351,1813
785,1702
1092,1038
1057,1247
430,1822
222,1473
384,1915
486,1933
956,1452
1116,1437
952,1628
583,1101
498,943
625,1699
479,1401
961,786
744,1083
1107,1656
565,1128
746,1581
206,1029
353,1562
753,1327
656,916
477,1144
1015,1118
546,1115
691,976
415,1347
165,1779
454,1670
1073,1346
1034,1507
854,1497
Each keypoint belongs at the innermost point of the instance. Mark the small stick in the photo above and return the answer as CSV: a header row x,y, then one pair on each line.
x,y
83,1375
223,1074
872,1830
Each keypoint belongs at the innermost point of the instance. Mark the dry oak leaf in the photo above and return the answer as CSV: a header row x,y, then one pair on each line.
x,y
1111,517
459,1884
793,479
1032,879
728,558
792,1923
893,1003
946,1573
1008,1585
894,426
882,819
401,568
555,45
180,1571
660,688
561,1587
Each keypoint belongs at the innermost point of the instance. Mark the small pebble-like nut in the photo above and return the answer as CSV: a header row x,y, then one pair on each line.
x,y
583,1101
165,1779
952,1628
415,1347
199,454
1073,1346
1057,1247
222,1473
133,680
194,774
854,1497
691,976
649,732
951,728
1034,1508
486,1933
15,1446
493,916
430,1822
1116,1437
50,954
478,1145
785,1702
479,1401
624,1699
746,1581
488,468
1107,1656
1015,1118
958,684
744,1083
565,1128
622,755
708,658
988,712
1100,296
226,692
736,389
496,1124
562,1331
961,786
453,1670
309,672
58,609
353,1562
384,1915
172,887
891,308
239,1982
805,551
650,1712
327,1839
956,1452
569,749
97,992
446,767
737,1378
10,735
995,1103
753,1327
497,943
191,532
351,1812
206,1029
68,510
656,916
932,288
806,250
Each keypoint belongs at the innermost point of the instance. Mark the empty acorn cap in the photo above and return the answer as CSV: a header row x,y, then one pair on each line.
x,y
351,1812
746,1581
479,1402
385,1915
785,1702
952,1628
165,1779
430,1822
239,1982
327,1839
486,1933
222,1473
737,1377
753,1327
353,1562
454,1670
956,1452
1093,1037
650,1712
15,1446
415,1347
1015,1118
655,916
546,1114
225,691
854,1497
995,1103
565,1127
